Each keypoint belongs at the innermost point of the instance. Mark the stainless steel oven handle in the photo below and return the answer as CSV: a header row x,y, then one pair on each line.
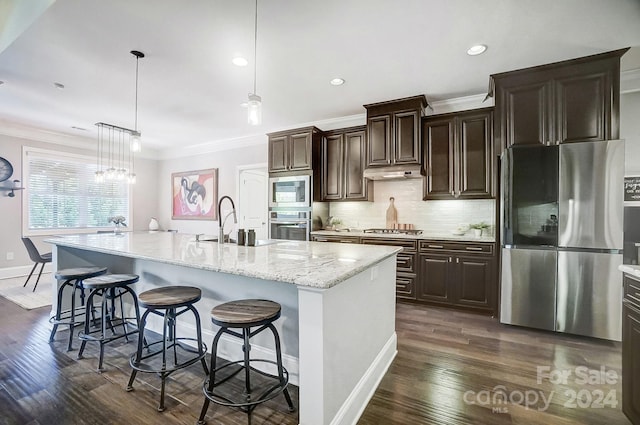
x,y
289,221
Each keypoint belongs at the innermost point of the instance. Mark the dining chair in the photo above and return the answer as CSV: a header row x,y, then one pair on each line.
x,y
37,258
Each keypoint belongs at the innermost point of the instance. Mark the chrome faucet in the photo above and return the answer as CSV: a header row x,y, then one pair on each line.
x,y
221,221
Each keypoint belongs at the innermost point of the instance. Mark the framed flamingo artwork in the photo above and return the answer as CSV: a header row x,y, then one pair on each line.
x,y
194,195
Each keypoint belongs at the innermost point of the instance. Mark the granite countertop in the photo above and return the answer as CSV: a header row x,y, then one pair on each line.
x,y
431,236
313,264
630,269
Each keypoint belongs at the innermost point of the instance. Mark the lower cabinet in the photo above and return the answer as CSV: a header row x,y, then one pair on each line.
x,y
454,274
458,274
405,264
630,350
332,238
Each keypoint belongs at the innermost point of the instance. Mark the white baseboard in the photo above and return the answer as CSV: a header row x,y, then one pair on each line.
x,y
354,405
18,271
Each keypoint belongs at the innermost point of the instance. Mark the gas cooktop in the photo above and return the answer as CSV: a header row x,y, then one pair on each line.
x,y
394,231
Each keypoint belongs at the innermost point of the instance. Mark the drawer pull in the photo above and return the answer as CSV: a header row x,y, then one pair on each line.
x,y
435,246
473,248
633,300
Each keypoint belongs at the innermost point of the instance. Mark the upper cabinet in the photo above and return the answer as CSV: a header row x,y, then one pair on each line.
x,y
458,155
571,101
292,150
394,131
343,162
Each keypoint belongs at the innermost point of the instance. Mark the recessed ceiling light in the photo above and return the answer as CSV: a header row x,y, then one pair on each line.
x,y
476,50
337,82
240,61
59,85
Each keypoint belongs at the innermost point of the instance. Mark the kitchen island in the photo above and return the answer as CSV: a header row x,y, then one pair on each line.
x,y
338,304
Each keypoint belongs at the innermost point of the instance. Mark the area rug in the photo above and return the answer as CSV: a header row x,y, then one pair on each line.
x,y
12,290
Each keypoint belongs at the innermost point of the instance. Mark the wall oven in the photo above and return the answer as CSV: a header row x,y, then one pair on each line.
x,y
292,225
290,192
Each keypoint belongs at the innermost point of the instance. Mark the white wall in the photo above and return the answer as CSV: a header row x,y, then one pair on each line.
x,y
144,198
226,162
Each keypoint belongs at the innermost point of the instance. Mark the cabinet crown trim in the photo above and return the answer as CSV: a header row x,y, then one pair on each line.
x,y
585,59
413,102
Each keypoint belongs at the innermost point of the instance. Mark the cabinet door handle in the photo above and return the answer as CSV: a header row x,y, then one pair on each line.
x,y
436,246
449,259
458,260
473,248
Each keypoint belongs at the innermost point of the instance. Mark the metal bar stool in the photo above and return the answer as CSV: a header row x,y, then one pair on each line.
x,y
166,302
245,314
110,287
73,280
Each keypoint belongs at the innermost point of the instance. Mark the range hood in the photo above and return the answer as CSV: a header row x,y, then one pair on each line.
x,y
396,172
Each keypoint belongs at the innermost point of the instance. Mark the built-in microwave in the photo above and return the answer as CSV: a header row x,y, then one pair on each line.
x,y
290,192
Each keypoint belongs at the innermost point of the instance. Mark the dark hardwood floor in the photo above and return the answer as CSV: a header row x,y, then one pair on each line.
x,y
446,361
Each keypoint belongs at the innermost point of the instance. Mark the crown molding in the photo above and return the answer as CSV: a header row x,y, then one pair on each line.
x,y
21,131
630,81
258,139
214,146
460,104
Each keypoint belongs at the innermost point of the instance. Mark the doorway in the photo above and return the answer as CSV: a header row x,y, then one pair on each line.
x,y
252,195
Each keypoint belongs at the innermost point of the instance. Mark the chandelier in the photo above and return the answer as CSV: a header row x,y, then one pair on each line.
x,y
116,145
114,157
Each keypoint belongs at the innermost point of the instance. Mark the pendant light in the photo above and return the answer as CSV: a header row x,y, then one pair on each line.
x,y
136,145
254,105
116,146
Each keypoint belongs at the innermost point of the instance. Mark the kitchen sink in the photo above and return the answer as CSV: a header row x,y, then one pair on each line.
x,y
259,242
215,240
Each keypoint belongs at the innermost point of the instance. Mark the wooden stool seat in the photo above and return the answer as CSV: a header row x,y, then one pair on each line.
x,y
80,273
110,280
169,297
245,313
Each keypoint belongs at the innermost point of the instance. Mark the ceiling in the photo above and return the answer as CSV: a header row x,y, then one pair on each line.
x,y
190,93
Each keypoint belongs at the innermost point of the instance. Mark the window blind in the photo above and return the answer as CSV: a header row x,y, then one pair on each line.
x,y
62,193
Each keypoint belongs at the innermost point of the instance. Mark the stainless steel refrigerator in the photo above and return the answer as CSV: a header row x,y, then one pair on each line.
x,y
562,237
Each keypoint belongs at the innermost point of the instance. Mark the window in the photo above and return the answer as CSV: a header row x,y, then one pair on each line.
x,y
62,196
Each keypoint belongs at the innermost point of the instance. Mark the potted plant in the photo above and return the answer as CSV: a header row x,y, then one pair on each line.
x,y
118,220
478,228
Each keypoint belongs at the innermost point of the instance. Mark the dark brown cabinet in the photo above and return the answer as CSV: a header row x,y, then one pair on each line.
x,y
344,154
406,272
435,275
394,131
453,274
458,155
570,101
458,274
630,350
332,238
293,150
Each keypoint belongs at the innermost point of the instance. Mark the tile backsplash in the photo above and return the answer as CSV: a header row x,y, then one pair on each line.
x,y
430,216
